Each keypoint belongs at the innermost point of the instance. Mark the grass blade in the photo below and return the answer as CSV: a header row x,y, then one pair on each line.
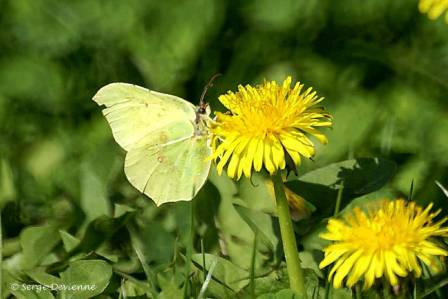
x,y
411,190
204,272
189,253
207,279
444,190
252,268
434,288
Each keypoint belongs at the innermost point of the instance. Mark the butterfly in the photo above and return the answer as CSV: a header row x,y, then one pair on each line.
x,y
165,137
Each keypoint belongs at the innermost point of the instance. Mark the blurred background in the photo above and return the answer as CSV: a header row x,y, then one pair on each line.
x,y
381,65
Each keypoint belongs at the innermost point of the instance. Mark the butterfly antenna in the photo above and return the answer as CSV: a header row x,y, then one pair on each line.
x,y
206,87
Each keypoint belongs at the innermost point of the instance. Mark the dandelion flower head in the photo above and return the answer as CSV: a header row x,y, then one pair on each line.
x,y
266,126
391,240
434,8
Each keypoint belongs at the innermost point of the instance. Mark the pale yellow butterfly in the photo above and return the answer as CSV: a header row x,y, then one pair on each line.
x,y
165,138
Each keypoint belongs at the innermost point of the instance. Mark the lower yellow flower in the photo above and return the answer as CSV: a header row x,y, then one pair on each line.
x,y
390,240
434,8
266,125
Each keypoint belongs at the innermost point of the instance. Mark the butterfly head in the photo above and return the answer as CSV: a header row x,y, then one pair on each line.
x,y
203,109
202,119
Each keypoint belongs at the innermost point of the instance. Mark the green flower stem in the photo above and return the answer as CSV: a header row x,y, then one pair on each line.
x,y
189,253
295,272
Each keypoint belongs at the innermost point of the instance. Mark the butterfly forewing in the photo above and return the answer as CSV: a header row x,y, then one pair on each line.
x,y
134,112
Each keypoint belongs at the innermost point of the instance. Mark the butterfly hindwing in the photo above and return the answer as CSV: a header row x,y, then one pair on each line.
x,y
169,172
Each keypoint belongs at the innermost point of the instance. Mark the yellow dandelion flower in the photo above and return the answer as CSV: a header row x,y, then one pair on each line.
x,y
390,240
434,8
266,125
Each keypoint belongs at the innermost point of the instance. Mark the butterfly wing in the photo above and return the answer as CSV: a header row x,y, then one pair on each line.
x,y
172,171
165,160
134,112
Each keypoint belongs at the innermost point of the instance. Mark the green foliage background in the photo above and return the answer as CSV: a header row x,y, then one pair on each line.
x,y
66,206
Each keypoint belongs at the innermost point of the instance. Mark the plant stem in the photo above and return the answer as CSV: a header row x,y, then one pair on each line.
x,y
358,291
337,207
386,291
189,253
295,272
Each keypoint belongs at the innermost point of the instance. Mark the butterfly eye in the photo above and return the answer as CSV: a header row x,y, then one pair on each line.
x,y
202,109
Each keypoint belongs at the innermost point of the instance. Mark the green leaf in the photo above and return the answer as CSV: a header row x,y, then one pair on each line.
x,y
7,189
119,210
38,293
37,242
364,201
340,293
45,157
22,288
169,288
225,272
255,193
39,275
359,176
283,294
131,289
206,207
237,236
68,240
311,283
312,241
98,231
154,242
94,199
308,262
88,278
261,224
272,282
7,278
